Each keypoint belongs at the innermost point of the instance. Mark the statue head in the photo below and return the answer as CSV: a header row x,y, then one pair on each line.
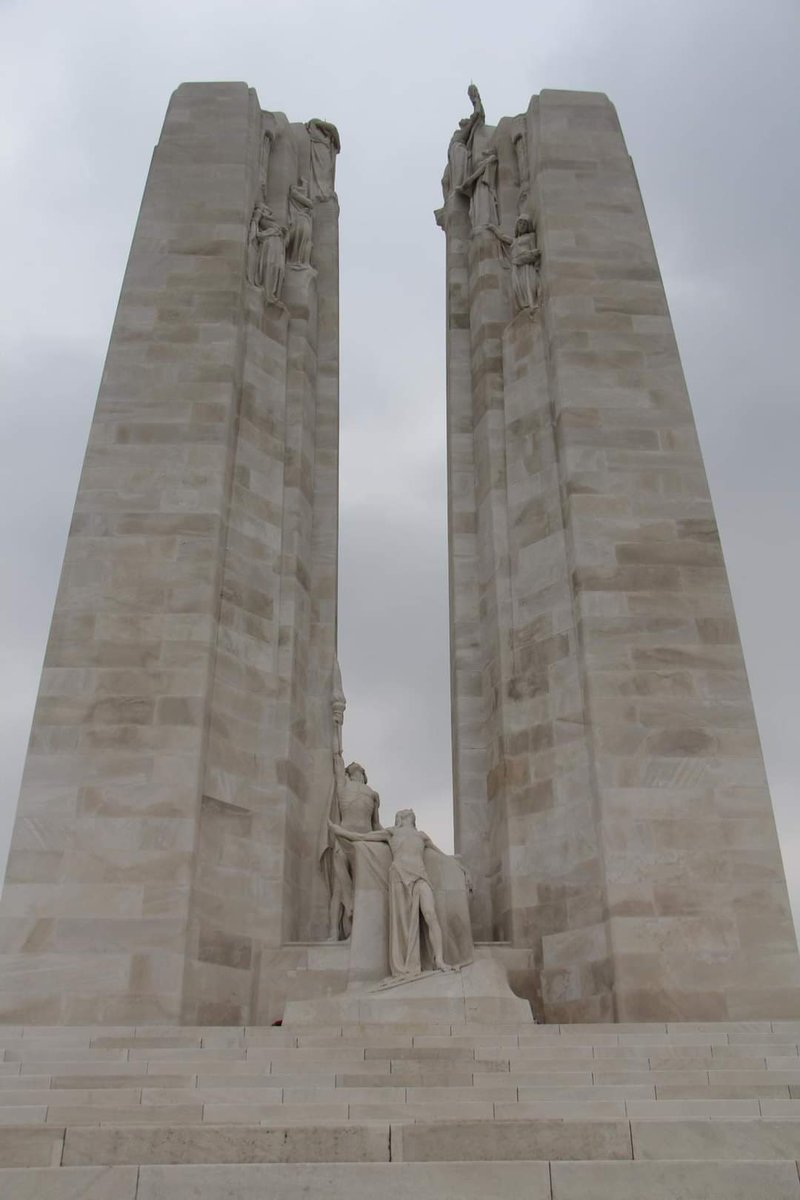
x,y
406,816
354,771
524,225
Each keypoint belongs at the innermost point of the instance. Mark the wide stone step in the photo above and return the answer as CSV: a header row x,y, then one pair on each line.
x,y
375,1140
526,1180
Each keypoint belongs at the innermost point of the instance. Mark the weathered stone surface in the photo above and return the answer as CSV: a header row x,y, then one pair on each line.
x,y
226,1144
675,1181
216,1125
540,1139
610,795
69,1183
478,992
31,1146
362,1181
179,758
743,1139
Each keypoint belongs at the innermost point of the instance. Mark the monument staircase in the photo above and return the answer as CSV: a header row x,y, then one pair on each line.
x,y
665,1111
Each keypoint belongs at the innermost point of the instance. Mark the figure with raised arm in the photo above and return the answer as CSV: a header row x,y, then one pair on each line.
x,y
411,898
353,806
460,150
477,117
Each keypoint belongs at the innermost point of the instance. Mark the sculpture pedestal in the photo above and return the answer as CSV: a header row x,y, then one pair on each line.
x,y
478,994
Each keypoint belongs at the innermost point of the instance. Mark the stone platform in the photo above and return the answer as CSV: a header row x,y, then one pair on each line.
x,y
475,993
667,1112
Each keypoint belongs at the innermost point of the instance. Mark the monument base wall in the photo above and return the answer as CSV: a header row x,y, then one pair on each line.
x,y
312,971
478,991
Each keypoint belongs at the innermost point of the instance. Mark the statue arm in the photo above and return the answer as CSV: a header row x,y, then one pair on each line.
x,y
338,772
300,198
526,258
376,835
332,132
476,174
376,803
431,845
469,124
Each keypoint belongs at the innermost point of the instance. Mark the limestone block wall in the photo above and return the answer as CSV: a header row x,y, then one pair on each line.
x,y
609,789
171,768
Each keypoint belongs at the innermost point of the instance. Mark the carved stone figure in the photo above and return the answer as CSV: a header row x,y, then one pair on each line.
x,y
298,242
353,805
266,257
520,143
526,258
481,187
267,140
412,906
477,117
459,152
253,243
457,160
325,145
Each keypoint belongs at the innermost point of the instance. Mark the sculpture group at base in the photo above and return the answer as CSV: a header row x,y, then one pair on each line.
x,y
415,937
411,900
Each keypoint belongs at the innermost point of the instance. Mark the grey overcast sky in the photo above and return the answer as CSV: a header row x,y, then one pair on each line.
x,y
707,92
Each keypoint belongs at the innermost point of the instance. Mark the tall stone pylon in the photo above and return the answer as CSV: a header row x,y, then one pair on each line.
x,y
180,746
610,794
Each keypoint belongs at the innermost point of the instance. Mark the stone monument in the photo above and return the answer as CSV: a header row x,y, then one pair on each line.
x,y
189,846
192,862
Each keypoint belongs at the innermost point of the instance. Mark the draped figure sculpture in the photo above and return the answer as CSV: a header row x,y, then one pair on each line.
x,y
267,139
525,257
354,806
525,260
266,252
477,117
459,153
520,144
457,160
481,187
325,145
298,242
412,905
